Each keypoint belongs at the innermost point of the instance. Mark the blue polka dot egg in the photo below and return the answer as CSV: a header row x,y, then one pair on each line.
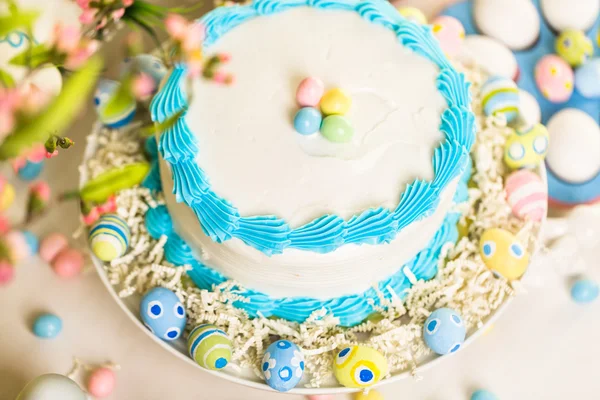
x,y
283,365
163,313
500,96
359,367
444,331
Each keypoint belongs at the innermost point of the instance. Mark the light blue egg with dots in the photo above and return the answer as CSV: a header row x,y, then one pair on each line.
x,y
308,121
47,326
32,242
587,79
444,331
585,291
121,116
163,313
483,395
31,170
283,365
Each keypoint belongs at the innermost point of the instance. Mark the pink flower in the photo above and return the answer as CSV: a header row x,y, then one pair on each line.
x,y
128,3
143,86
91,217
42,190
50,155
33,99
66,38
193,37
110,206
36,154
78,57
7,122
118,14
102,23
4,224
87,16
9,103
224,57
176,26
83,4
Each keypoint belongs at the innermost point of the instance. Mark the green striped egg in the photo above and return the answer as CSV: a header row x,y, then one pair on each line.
x,y
500,96
109,237
209,346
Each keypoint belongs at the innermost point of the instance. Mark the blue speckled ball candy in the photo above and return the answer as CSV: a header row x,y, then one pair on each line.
x,y
308,121
283,365
120,116
482,394
209,346
585,291
163,313
500,96
444,331
109,237
47,326
32,242
30,171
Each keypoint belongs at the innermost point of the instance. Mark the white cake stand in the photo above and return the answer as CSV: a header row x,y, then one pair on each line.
x,y
178,348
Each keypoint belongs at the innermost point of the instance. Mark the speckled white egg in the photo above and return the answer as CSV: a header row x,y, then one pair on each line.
x,y
569,14
491,55
283,365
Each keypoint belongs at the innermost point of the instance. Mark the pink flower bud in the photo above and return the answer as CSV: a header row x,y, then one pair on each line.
x,y
87,16
193,37
177,26
118,14
128,3
5,224
36,154
33,99
78,57
91,217
224,57
83,4
7,122
42,190
66,38
50,155
110,206
143,86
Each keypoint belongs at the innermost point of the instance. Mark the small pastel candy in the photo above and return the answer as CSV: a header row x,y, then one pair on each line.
x,y
444,331
587,79
370,395
162,313
413,14
32,241
7,273
450,33
554,78
359,367
321,397
526,148
30,171
500,95
109,237
337,129
101,382
335,102
585,291
283,365
7,194
68,263
482,394
52,387
122,115
503,253
18,248
209,346
307,121
51,245
574,47
309,92
527,195
47,326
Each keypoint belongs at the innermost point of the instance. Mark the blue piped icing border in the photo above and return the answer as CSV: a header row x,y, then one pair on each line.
x,y
220,219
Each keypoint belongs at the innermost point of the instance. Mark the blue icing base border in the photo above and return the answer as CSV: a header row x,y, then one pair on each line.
x,y
221,221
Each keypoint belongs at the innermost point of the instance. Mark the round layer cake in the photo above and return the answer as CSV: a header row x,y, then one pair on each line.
x,y
302,223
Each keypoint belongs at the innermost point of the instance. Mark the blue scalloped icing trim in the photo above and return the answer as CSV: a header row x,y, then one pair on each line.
x,y
220,219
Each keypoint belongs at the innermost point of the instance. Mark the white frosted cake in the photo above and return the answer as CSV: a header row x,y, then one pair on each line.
x,y
301,222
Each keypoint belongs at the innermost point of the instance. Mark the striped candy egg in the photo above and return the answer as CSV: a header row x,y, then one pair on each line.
x,y
209,346
359,367
500,96
527,195
109,237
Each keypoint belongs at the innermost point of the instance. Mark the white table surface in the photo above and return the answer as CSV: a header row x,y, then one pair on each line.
x,y
544,347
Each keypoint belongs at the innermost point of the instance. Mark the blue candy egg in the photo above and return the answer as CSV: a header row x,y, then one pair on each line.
x,y
163,313
32,242
308,121
283,365
585,291
147,64
120,116
444,331
500,96
587,79
31,170
47,326
483,395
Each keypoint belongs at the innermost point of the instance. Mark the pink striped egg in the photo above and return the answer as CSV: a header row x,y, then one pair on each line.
x,y
527,195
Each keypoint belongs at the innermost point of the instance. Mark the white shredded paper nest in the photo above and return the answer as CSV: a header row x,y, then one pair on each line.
x,y
463,282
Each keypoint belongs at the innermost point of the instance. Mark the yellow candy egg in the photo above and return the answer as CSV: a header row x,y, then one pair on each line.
x,y
370,395
503,253
413,14
7,197
359,367
526,148
335,102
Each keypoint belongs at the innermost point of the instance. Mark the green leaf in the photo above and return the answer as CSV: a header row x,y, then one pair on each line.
x,y
58,115
32,57
6,79
18,20
122,99
99,189
163,126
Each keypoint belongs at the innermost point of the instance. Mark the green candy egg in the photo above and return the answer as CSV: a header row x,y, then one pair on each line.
x,y
209,346
337,129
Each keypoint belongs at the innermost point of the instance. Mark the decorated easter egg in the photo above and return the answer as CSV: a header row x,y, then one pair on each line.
x,y
119,114
503,253
52,387
530,112
450,33
491,55
7,194
101,382
17,246
335,102
309,92
563,14
47,326
500,20
527,195
585,291
574,150
7,273
147,64
500,96
52,245
413,14
30,170
307,121
587,79
482,394
163,313
109,237
283,365
526,148
68,263
554,78
337,129
359,367
444,331
33,244
574,47
209,346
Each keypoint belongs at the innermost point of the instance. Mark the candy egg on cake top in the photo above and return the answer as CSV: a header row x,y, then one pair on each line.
x,y
500,96
163,313
335,102
209,346
283,365
308,121
503,253
526,148
309,92
574,47
444,331
359,366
